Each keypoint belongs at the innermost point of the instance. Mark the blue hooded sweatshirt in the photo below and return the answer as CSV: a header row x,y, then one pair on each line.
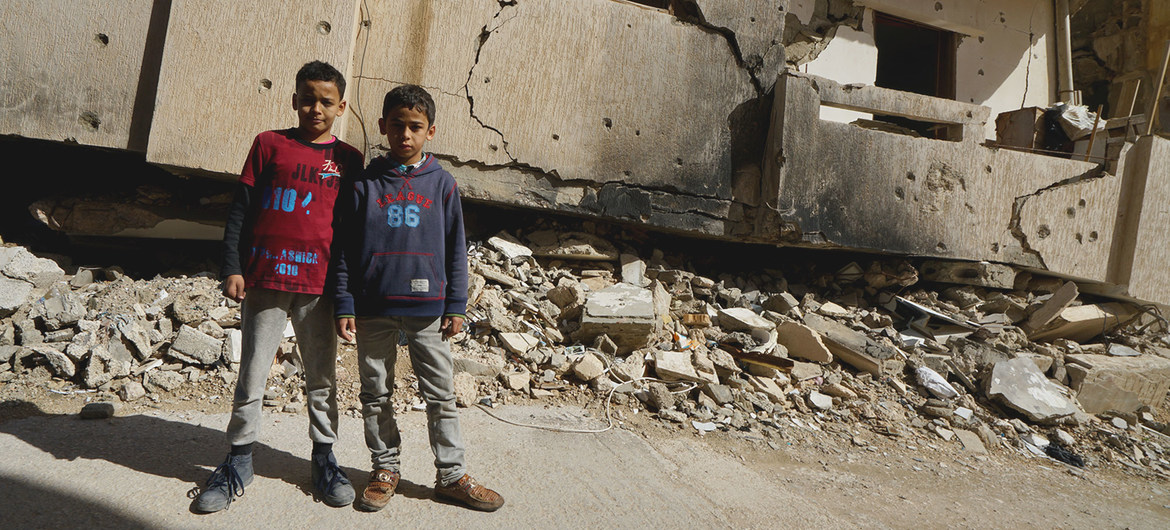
x,y
399,247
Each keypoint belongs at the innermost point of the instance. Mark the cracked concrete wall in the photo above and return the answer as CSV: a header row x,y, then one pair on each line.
x,y
71,69
1140,258
837,185
228,73
595,107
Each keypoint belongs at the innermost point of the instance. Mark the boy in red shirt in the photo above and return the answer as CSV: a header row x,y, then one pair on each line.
x,y
276,253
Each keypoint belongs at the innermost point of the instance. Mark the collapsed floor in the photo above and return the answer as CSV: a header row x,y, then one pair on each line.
x,y
977,357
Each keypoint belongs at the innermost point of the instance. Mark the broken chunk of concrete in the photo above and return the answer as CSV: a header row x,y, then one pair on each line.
x,y
630,368
13,295
195,347
515,380
851,347
20,264
1122,384
466,390
767,386
1020,385
588,367
624,312
634,271
567,293
802,342
803,371
59,363
102,368
743,319
518,343
675,366
1051,308
132,391
97,411
1081,323
510,249
720,393
60,307
819,401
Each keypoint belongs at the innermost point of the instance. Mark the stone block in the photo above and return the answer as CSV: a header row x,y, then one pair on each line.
x,y
802,342
515,380
20,264
567,293
102,368
768,386
487,364
1018,384
136,332
233,346
720,393
630,368
588,367
132,391
675,366
509,248
60,307
804,371
624,312
59,363
13,295
466,391
634,271
163,380
743,319
97,411
195,347
849,346
819,401
518,343
1122,384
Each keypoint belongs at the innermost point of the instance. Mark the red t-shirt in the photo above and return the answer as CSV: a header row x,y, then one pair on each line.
x,y
291,224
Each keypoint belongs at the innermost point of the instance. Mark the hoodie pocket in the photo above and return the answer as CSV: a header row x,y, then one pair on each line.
x,y
404,275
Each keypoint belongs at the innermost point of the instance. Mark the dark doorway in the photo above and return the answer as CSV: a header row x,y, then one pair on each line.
x,y
916,58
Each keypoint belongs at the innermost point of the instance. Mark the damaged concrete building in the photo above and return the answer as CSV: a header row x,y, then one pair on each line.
x,y
854,124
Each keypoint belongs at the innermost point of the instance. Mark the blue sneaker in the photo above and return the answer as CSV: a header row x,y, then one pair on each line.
x,y
224,485
329,481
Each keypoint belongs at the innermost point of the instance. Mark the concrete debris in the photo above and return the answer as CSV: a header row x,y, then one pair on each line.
x,y
18,263
1123,384
624,312
197,347
1020,385
772,353
97,411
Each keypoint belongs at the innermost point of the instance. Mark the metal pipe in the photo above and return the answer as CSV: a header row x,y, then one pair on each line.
x,y
1066,92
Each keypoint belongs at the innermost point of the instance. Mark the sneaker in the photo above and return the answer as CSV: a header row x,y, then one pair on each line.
x,y
470,493
330,482
226,483
379,490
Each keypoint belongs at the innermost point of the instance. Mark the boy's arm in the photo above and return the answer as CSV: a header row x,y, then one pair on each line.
x,y
232,266
456,251
344,231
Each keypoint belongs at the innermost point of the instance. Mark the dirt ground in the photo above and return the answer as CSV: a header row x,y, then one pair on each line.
x,y
859,478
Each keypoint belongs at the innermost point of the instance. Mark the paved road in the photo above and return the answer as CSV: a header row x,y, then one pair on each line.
x,y
134,471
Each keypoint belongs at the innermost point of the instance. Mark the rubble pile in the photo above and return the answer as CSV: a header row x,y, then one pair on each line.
x,y
974,355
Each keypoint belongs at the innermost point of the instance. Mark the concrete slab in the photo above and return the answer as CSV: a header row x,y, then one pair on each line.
x,y
1123,384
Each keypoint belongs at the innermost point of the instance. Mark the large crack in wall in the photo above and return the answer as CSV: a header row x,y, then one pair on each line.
x,y
1015,224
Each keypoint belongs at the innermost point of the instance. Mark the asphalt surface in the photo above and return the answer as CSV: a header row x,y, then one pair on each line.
x,y
135,471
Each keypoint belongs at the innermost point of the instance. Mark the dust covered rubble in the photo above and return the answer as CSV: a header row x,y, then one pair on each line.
x,y
100,331
777,355
796,352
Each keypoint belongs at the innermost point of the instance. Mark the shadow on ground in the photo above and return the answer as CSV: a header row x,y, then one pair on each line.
x,y
156,446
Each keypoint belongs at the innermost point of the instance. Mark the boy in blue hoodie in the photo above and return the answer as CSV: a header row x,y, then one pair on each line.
x,y
401,233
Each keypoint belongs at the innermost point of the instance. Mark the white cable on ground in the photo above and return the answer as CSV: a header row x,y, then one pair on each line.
x,y
608,401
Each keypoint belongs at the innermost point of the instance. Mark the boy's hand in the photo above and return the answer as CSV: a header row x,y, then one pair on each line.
x,y
233,287
346,327
451,326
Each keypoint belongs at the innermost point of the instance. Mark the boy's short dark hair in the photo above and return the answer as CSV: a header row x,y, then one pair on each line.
x,y
321,71
411,97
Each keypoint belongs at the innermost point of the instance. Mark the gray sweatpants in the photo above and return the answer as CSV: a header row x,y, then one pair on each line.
x,y
265,313
377,342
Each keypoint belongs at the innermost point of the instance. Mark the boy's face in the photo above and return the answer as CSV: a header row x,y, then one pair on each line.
x,y
317,103
406,130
